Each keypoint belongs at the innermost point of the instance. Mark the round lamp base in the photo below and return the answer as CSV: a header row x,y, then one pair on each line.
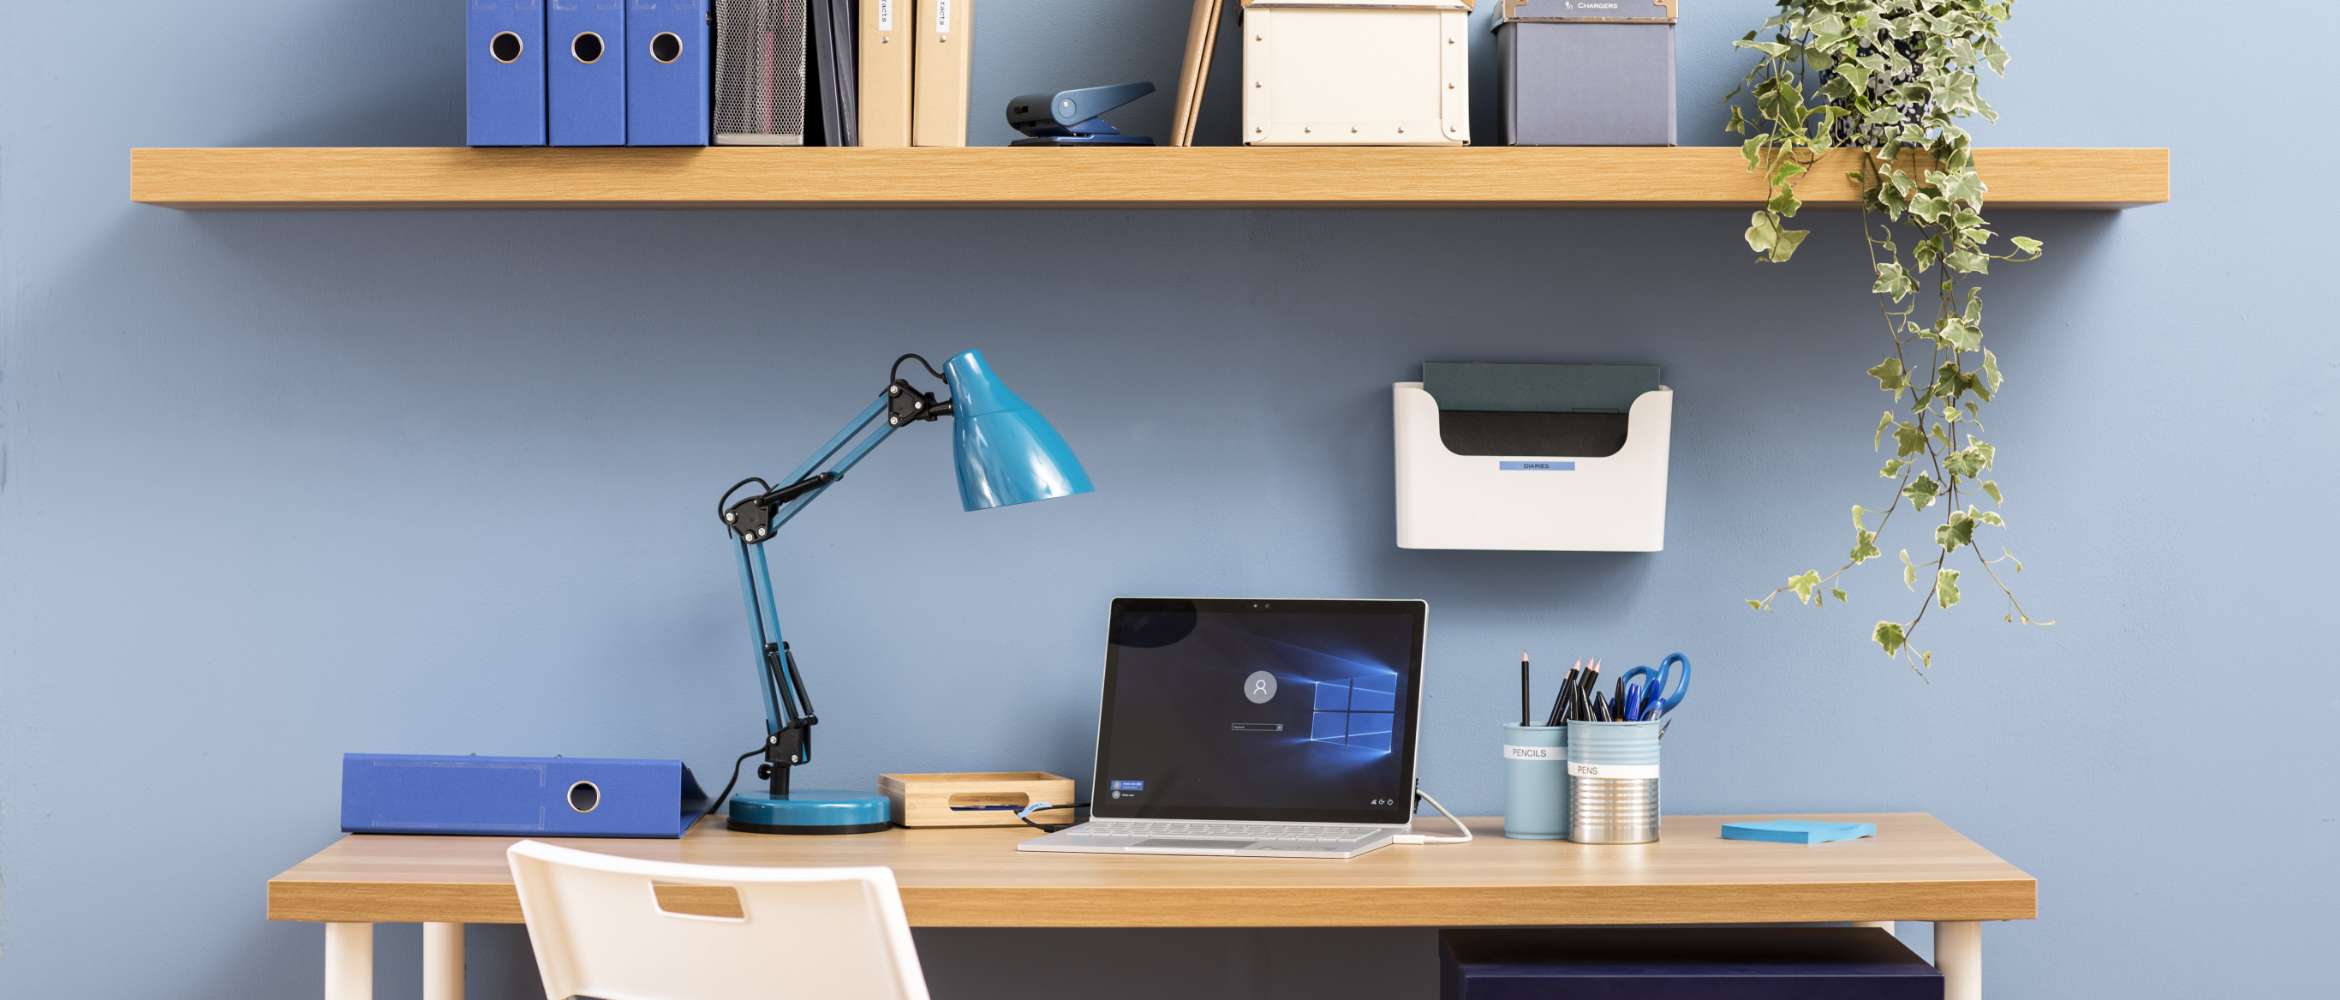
x,y
811,812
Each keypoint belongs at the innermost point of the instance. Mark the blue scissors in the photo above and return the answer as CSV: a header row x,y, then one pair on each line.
x,y
1646,689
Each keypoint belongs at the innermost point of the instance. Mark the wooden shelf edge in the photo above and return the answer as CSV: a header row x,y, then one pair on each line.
x,y
364,178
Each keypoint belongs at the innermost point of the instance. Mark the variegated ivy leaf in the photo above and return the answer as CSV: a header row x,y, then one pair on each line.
x,y
1893,282
1908,439
1921,491
1865,547
1805,585
1970,461
1957,531
1890,637
1890,378
1946,588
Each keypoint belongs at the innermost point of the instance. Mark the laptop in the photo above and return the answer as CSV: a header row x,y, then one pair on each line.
x,y
1254,728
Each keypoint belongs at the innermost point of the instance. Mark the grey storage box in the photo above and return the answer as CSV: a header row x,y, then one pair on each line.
x,y
1587,72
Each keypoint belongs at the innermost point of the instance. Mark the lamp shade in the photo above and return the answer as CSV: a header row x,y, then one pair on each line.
x,y
1007,452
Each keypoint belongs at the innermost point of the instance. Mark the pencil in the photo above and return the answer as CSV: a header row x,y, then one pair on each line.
x,y
1523,689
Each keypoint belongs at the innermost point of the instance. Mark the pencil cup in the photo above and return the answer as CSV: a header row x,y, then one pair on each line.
x,y
1613,782
1535,797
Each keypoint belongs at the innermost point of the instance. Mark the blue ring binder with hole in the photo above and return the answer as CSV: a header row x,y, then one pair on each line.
x,y
518,796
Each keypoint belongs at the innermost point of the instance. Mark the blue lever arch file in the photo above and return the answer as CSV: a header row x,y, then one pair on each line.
x,y
518,796
585,81
504,73
670,71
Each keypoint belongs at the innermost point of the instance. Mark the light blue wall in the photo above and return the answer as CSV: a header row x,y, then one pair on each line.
x,y
273,487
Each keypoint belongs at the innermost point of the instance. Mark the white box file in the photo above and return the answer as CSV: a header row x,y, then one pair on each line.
x,y
1552,503
1356,72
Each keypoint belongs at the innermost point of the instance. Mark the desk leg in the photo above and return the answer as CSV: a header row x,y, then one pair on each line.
x,y
1958,953
1883,925
442,962
349,962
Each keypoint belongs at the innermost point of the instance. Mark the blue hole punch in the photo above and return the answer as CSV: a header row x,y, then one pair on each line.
x,y
1075,117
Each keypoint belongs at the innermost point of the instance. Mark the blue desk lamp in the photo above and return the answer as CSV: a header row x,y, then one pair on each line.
x,y
1006,454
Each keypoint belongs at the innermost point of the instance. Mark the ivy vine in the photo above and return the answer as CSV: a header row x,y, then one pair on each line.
x,y
1892,80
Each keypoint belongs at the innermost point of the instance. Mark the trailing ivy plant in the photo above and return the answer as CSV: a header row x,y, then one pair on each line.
x,y
1891,80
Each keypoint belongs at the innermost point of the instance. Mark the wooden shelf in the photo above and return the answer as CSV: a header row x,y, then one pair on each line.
x,y
1202,177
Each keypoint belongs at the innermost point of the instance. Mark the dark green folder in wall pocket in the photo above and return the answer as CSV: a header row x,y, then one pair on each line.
x,y
1553,457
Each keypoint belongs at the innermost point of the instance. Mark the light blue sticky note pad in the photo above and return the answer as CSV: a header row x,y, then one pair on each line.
x,y
1797,831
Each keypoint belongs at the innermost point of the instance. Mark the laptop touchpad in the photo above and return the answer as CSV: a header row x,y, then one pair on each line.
x,y
1189,845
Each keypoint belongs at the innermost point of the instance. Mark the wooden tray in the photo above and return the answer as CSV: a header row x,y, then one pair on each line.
x,y
927,799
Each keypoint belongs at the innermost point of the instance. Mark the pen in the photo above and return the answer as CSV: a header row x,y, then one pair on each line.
x,y
1523,689
1559,712
1584,691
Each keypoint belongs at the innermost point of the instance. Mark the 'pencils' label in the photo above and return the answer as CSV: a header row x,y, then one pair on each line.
x,y
1622,772
885,15
1554,755
942,17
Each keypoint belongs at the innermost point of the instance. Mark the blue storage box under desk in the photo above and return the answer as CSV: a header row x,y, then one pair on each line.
x,y
1759,963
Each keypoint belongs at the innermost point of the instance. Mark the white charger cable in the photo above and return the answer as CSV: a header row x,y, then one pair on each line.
x,y
1424,838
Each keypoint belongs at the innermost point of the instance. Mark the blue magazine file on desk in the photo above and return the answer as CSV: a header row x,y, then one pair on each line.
x,y
503,69
518,796
585,82
670,72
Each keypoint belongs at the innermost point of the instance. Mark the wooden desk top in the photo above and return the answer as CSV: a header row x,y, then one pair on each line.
x,y
1915,869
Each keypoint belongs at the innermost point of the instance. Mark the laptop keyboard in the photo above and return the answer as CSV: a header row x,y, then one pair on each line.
x,y
1233,832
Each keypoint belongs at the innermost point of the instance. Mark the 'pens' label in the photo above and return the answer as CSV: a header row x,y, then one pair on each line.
x,y
1623,772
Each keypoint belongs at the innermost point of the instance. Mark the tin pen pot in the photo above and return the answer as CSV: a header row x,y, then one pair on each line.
x,y
1535,778
1613,782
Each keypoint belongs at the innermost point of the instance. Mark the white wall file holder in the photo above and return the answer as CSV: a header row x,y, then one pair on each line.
x,y
1552,503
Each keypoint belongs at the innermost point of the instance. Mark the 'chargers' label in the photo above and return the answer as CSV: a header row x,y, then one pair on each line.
x,y
1539,466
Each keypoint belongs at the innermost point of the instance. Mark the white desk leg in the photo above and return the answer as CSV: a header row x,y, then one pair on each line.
x,y
442,962
1958,953
349,962
1883,925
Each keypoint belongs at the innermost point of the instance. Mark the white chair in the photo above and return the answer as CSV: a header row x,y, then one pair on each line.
x,y
599,931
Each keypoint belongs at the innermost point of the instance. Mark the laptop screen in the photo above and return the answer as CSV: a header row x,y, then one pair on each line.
x,y
1282,710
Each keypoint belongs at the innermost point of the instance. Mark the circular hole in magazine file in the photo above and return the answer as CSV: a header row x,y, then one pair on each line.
x,y
666,46
584,796
587,47
506,47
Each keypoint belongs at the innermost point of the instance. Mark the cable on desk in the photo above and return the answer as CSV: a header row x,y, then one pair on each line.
x,y
1422,838
1026,812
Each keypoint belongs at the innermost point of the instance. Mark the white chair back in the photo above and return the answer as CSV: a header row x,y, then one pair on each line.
x,y
599,930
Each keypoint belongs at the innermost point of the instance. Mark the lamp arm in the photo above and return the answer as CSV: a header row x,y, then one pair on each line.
x,y
788,711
